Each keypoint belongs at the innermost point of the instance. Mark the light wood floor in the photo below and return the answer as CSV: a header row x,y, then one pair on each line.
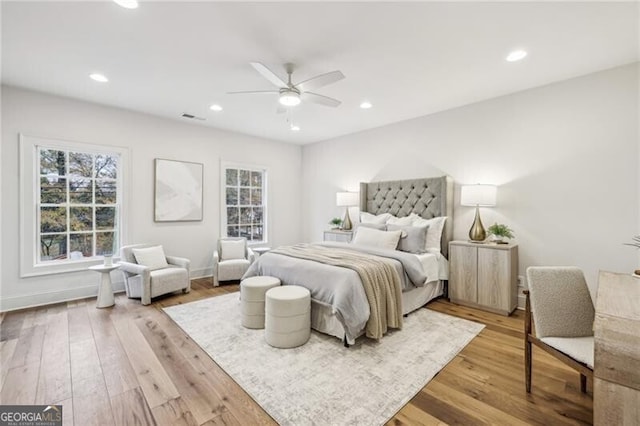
x,y
131,365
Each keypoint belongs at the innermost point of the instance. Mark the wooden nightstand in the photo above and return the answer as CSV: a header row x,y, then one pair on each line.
x,y
484,276
338,235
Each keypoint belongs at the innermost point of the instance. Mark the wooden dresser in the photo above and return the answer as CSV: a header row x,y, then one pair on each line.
x,y
616,394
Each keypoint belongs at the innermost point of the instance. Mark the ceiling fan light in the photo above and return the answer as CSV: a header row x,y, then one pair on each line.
x,y
289,99
127,4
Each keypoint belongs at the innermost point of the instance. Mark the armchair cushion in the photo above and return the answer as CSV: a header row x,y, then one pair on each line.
x,y
168,279
578,348
232,269
232,249
151,257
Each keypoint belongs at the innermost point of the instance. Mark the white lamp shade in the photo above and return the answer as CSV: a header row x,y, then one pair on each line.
x,y
478,195
347,199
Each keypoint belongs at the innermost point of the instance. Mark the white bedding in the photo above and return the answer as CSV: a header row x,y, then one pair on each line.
x,y
341,288
324,320
435,265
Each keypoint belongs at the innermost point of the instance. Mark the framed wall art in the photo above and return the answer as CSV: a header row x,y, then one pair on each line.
x,y
178,191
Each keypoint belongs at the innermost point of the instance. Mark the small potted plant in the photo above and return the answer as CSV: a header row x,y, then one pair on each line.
x,y
335,222
500,232
635,243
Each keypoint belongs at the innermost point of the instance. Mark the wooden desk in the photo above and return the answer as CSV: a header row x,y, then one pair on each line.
x,y
616,394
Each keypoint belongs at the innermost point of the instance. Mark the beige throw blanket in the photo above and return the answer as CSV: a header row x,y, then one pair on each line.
x,y
378,275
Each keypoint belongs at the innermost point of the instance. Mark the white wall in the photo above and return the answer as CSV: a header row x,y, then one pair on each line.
x,y
147,137
565,157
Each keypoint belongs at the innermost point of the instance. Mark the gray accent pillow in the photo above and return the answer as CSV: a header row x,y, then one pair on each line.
x,y
415,239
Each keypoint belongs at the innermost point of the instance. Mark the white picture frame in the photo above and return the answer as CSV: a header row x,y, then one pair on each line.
x,y
178,191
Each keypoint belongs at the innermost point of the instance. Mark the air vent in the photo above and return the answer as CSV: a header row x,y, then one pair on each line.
x,y
192,117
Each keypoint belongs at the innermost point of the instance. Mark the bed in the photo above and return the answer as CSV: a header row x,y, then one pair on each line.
x,y
337,306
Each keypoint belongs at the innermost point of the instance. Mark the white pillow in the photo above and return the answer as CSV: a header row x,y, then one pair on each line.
x,y
151,257
434,232
232,249
372,225
400,221
370,218
374,238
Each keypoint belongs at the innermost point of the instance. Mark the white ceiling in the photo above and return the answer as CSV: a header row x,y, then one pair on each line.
x,y
408,59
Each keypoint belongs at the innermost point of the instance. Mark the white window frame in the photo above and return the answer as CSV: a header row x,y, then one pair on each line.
x,y
224,165
29,203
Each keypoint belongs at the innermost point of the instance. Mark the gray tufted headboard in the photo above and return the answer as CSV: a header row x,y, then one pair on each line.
x,y
426,197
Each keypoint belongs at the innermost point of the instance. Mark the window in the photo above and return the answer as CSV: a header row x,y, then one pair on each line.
x,y
78,204
71,204
245,207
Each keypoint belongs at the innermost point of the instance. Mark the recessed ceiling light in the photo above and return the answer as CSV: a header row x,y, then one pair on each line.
x,y
516,55
215,107
295,128
98,77
128,4
365,105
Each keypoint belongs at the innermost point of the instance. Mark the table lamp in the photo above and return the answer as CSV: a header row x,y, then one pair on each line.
x,y
478,196
347,199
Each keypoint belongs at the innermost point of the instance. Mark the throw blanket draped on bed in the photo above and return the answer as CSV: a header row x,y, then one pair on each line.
x,y
379,278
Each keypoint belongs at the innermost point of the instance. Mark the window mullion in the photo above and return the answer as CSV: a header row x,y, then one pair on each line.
x,y
94,237
68,203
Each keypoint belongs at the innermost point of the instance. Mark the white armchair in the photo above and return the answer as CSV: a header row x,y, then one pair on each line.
x,y
231,260
149,273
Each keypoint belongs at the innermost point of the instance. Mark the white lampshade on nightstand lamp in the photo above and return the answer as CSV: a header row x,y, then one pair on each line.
x,y
347,199
478,196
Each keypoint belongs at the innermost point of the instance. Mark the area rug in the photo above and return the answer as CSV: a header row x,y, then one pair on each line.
x,y
322,382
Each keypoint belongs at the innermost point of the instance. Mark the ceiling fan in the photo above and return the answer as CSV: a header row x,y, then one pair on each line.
x,y
289,94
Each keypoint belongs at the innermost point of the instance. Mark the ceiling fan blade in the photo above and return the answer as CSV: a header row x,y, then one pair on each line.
x,y
268,74
319,99
255,92
320,81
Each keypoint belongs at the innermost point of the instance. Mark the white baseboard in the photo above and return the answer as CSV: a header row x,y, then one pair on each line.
x,y
521,297
201,273
25,301
33,300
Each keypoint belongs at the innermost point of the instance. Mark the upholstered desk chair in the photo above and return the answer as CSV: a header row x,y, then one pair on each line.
x,y
563,314
148,272
231,260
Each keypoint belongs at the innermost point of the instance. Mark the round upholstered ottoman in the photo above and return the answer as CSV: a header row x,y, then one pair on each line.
x,y
252,291
287,316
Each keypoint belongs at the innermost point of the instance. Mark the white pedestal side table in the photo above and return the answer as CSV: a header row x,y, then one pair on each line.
x,y
105,292
261,250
